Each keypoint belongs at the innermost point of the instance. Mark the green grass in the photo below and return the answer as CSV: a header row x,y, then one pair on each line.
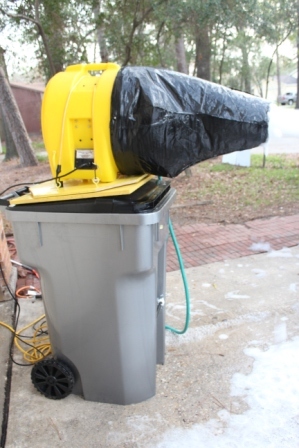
x,y
254,186
39,149
42,157
273,161
221,167
38,146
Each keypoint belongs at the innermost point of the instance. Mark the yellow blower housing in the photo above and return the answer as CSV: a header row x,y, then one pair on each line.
x,y
75,122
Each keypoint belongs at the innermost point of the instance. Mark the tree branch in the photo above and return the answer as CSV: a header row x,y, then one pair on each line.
x,y
19,16
37,23
136,24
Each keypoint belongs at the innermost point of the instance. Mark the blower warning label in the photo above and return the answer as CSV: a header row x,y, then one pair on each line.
x,y
84,158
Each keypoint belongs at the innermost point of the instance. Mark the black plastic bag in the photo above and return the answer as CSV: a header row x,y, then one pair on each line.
x,y
163,122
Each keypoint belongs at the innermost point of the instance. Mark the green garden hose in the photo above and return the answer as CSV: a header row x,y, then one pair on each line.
x,y
187,295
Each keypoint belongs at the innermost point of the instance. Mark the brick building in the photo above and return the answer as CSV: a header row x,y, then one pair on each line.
x,y
29,101
5,263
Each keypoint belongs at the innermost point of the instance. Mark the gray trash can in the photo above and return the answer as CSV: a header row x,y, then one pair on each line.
x,y
102,264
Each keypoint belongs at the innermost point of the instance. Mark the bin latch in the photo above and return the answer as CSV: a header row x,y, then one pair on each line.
x,y
160,303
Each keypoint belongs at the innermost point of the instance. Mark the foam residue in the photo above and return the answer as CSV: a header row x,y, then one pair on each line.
x,y
260,247
280,332
223,336
209,305
272,394
294,287
232,295
285,252
259,272
199,333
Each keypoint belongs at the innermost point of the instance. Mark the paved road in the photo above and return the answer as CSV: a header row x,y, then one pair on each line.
x,y
283,131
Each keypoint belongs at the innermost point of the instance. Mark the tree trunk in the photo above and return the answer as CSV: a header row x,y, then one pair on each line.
x,y
102,44
246,69
222,60
53,40
181,56
203,53
268,76
11,151
182,67
2,61
15,123
100,33
278,74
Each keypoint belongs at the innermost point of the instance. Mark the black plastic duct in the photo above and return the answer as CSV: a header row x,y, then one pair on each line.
x,y
163,122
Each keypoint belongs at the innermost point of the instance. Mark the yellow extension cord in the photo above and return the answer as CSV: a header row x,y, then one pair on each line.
x,y
40,346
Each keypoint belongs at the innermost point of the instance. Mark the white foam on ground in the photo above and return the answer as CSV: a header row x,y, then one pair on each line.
x,y
260,247
272,394
199,333
285,252
223,336
294,287
232,295
259,272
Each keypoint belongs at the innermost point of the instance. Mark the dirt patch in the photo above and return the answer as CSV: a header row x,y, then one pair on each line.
x,y
216,211
235,196
196,201
11,173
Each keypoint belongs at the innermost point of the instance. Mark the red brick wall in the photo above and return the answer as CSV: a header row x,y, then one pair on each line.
x,y
29,103
4,256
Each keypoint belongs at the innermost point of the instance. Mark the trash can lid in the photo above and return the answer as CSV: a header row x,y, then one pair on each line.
x,y
74,189
142,200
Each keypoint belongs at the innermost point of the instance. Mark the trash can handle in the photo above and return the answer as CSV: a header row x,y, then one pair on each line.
x,y
85,68
101,66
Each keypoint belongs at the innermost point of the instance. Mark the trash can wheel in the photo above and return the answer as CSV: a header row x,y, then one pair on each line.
x,y
52,378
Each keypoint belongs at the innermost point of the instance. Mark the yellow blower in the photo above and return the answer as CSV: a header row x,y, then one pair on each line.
x,y
76,115
75,122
